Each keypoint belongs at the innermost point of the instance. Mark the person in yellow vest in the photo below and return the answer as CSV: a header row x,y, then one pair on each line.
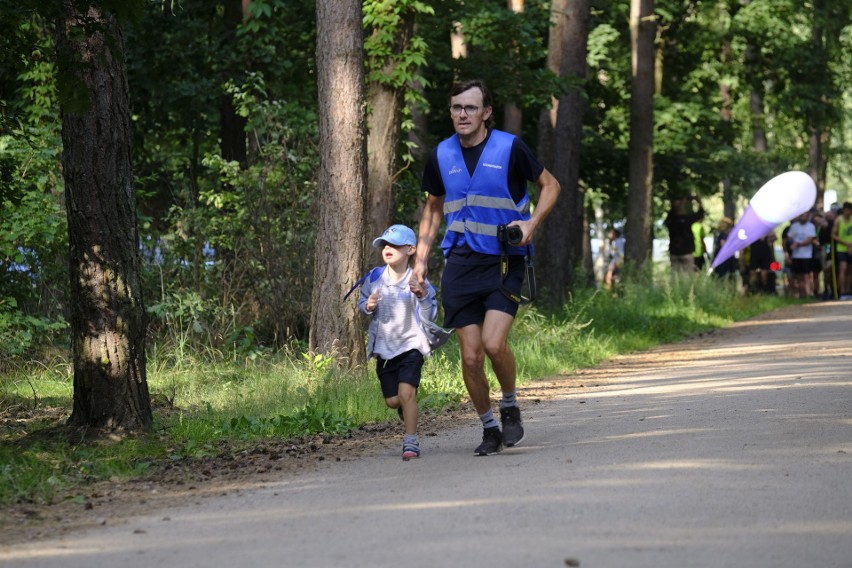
x,y
699,248
841,237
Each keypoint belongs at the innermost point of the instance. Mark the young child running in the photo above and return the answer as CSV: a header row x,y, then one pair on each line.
x,y
395,337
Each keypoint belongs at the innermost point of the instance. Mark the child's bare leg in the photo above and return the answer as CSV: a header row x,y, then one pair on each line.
x,y
408,400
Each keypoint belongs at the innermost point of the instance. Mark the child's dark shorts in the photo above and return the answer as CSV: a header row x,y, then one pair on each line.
x,y
403,368
470,290
802,265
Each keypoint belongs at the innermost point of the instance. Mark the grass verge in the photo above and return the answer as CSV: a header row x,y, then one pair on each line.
x,y
202,402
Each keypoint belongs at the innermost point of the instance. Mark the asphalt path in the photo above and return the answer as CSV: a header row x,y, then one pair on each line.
x,y
733,449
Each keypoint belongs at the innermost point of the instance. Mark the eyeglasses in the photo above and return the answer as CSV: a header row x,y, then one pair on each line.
x,y
469,110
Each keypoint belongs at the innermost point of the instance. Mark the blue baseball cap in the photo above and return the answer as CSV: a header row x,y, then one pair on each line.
x,y
396,235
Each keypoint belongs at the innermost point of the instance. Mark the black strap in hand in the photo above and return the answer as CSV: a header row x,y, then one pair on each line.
x,y
530,276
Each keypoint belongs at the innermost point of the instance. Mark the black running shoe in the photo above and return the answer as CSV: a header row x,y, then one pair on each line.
x,y
492,442
513,426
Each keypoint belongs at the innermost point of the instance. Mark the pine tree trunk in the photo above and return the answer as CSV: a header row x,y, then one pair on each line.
x,y
560,242
384,127
232,125
336,328
638,235
107,312
513,116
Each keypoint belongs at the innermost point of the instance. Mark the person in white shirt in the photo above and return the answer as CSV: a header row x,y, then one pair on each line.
x,y
802,237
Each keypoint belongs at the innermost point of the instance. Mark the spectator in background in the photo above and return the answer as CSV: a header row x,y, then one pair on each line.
x,y
679,224
787,251
841,235
824,236
761,256
802,237
729,266
616,257
699,247
818,258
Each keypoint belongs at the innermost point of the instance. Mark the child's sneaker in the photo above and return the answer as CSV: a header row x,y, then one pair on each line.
x,y
410,450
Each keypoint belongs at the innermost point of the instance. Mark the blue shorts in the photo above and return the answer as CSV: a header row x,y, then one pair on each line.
x,y
403,368
470,290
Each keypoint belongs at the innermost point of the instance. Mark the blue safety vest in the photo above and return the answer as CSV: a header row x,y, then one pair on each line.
x,y
475,205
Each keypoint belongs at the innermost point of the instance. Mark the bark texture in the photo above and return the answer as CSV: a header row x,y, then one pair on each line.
x,y
638,235
560,241
384,127
107,312
336,327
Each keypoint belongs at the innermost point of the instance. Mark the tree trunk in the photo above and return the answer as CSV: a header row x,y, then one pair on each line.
x,y
728,204
383,125
107,312
342,185
233,126
560,243
758,120
638,233
817,132
815,161
513,116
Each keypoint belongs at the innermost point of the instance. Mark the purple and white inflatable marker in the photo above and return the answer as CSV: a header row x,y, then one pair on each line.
x,y
782,198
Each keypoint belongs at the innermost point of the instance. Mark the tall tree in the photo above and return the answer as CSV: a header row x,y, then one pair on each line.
x,y
107,311
342,183
561,243
394,54
638,236
513,116
231,123
822,83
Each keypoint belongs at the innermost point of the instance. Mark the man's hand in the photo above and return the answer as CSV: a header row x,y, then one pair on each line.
x,y
430,222
527,229
416,287
417,283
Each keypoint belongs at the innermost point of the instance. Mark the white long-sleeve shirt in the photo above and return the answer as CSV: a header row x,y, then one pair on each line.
x,y
394,328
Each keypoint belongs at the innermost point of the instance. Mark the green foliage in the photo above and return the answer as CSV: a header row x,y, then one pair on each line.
x,y
506,49
239,237
19,331
33,229
388,63
54,470
237,240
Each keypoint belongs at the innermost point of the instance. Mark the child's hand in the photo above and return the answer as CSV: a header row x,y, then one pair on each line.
x,y
373,301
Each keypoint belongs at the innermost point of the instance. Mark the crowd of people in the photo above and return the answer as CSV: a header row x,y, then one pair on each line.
x,y
813,259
